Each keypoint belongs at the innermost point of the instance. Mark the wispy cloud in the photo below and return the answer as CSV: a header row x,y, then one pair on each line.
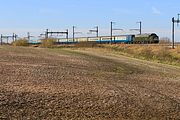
x,y
156,11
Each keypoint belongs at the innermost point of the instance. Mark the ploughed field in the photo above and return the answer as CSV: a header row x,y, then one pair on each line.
x,y
55,84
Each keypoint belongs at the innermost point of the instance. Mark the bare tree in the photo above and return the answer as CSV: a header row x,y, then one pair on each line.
x,y
165,40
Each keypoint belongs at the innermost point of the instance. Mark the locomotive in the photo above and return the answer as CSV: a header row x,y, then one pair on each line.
x,y
146,39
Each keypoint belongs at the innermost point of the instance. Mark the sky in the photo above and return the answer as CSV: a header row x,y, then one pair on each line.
x,y
34,16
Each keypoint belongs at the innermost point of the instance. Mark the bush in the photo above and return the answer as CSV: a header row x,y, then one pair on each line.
x,y
48,43
20,42
165,40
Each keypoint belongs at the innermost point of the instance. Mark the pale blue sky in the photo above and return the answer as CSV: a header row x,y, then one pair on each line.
x,y
21,16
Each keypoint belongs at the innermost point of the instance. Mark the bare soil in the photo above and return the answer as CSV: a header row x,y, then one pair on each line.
x,y
58,84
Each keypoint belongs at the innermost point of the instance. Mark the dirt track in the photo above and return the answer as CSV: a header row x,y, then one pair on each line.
x,y
38,84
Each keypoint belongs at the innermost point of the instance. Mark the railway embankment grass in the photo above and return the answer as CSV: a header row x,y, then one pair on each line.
x,y
156,53
159,53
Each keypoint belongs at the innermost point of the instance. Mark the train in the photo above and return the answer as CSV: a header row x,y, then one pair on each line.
x,y
151,38
126,39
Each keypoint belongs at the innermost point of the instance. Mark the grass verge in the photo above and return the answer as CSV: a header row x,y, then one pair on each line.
x,y
157,53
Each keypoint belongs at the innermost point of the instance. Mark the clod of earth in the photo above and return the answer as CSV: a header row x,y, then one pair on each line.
x,y
71,84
